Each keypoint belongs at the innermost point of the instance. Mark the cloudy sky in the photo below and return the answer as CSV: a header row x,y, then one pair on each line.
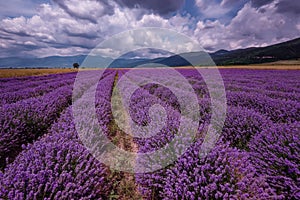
x,y
71,27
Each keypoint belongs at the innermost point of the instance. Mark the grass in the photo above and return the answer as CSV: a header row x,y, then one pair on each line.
x,y
9,73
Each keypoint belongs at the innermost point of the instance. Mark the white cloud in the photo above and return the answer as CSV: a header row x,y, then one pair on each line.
x,y
211,8
251,27
56,30
143,40
90,10
53,30
30,43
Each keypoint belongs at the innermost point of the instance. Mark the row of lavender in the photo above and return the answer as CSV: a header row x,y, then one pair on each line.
x,y
12,94
34,108
257,155
57,165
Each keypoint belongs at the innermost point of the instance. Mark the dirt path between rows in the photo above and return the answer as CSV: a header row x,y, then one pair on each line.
x,y
126,186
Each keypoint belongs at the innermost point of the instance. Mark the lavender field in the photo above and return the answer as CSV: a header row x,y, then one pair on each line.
x,y
257,155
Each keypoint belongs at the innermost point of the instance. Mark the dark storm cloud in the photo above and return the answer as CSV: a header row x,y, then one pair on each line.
x,y
18,33
5,37
27,47
288,6
87,35
259,3
18,50
108,10
161,7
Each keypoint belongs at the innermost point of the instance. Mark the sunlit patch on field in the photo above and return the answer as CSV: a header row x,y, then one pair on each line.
x,y
10,73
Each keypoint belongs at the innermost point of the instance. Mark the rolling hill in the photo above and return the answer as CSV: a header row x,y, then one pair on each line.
x,y
289,50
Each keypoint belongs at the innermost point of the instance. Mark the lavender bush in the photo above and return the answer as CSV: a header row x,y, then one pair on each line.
x,y
257,155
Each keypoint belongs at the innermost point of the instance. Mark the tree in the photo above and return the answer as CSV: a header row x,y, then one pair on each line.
x,y
75,65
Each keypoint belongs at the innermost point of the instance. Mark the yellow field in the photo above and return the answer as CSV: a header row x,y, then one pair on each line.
x,y
285,62
8,73
278,67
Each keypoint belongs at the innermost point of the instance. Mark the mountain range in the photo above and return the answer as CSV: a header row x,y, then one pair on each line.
x,y
289,50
